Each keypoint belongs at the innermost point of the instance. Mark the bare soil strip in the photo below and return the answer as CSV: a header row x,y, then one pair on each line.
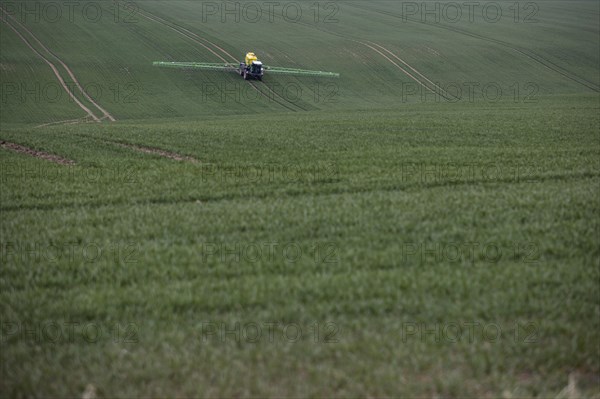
x,y
55,70
71,74
35,153
156,151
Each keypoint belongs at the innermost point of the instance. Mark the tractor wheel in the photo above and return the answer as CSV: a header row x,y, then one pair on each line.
x,y
245,75
259,78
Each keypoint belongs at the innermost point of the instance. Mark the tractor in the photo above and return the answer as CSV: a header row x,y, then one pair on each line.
x,y
251,68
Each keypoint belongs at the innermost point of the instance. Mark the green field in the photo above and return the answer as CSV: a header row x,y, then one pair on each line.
x,y
427,225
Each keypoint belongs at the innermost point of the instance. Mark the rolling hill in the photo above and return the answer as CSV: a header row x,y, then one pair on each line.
x,y
425,225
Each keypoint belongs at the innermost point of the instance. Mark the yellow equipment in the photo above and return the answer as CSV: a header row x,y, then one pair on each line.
x,y
252,68
250,57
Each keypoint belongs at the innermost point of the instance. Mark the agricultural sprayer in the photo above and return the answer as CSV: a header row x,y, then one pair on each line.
x,y
250,68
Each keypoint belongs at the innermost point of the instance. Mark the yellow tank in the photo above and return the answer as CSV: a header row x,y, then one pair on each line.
x,y
250,57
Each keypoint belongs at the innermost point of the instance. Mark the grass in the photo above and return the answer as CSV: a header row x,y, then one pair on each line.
x,y
375,245
354,236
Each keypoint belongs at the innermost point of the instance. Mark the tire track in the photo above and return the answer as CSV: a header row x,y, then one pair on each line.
x,y
56,73
441,91
274,98
282,98
155,151
527,53
214,198
397,66
67,122
153,18
196,38
144,149
67,69
188,32
21,149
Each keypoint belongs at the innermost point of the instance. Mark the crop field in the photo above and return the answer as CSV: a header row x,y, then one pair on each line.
x,y
425,225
